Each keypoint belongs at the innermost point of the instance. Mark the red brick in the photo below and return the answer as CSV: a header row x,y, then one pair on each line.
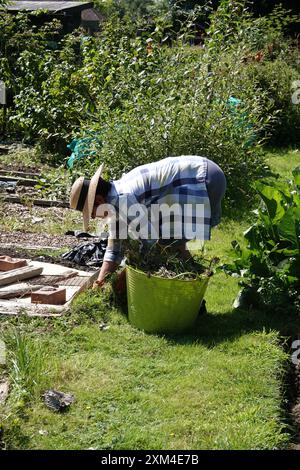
x,y
49,295
7,263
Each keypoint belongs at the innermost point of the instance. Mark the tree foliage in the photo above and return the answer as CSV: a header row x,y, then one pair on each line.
x,y
146,91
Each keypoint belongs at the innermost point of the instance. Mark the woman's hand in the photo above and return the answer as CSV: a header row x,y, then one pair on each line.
x,y
107,268
98,284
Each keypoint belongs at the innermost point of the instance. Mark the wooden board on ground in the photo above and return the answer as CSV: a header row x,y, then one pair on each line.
x,y
36,202
23,174
18,290
74,280
19,180
17,275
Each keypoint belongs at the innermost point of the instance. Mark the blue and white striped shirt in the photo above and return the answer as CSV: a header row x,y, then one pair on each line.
x,y
173,180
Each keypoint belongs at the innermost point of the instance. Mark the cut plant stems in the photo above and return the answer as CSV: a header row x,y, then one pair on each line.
x,y
165,261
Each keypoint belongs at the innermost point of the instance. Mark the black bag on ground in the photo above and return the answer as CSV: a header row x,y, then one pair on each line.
x,y
87,254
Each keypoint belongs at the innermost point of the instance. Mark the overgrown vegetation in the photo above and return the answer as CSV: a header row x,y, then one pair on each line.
x,y
147,94
219,387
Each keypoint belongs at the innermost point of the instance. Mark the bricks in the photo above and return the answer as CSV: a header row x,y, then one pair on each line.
x,y
7,263
49,295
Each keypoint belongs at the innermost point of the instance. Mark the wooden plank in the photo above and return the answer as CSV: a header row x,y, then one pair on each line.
x,y
23,174
17,246
54,280
51,269
35,202
18,290
33,311
89,282
20,306
17,275
76,281
20,181
24,305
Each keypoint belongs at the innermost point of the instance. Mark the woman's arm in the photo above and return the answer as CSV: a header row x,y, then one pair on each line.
x,y
107,267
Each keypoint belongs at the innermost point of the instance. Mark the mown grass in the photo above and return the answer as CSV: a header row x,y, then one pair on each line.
x,y
219,387
282,162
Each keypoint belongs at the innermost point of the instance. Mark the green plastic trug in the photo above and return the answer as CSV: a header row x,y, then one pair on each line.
x,y
159,305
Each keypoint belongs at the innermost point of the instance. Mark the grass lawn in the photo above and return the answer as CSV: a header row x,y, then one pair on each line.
x,y
219,387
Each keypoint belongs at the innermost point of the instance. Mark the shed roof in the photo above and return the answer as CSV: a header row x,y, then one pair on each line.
x,y
91,15
48,5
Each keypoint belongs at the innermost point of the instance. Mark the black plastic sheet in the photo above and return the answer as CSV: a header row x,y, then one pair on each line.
x,y
87,254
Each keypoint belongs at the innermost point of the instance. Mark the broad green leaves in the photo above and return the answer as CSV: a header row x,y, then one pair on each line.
x,y
271,261
288,227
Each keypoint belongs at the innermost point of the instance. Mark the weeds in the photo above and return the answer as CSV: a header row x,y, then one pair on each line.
x,y
26,365
166,261
95,305
27,373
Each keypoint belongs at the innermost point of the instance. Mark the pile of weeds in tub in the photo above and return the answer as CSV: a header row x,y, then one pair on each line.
x,y
167,262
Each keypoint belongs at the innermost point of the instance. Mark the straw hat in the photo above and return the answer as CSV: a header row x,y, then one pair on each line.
x,y
83,194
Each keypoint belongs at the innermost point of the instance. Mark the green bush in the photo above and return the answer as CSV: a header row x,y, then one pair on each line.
x,y
148,93
50,107
276,79
271,62
173,101
39,65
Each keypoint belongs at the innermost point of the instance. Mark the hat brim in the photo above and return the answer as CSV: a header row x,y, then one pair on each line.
x,y
90,199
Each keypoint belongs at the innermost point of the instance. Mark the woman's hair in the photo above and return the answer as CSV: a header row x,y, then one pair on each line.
x,y
103,187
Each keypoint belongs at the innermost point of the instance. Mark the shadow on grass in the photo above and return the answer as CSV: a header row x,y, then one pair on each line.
x,y
212,329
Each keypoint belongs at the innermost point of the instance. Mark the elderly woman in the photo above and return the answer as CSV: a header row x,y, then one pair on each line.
x,y
172,200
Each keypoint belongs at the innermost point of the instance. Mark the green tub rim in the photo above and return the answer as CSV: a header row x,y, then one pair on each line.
x,y
201,277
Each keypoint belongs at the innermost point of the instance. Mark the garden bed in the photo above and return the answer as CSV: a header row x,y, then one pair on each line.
x,y
222,386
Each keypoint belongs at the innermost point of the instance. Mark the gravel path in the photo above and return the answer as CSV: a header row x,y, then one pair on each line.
x,y
35,240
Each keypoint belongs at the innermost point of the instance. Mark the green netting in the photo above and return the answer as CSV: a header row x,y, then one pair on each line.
x,y
83,147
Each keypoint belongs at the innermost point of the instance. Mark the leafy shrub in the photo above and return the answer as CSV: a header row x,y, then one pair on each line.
x,y
276,78
171,101
270,264
272,62
38,65
146,91
52,107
